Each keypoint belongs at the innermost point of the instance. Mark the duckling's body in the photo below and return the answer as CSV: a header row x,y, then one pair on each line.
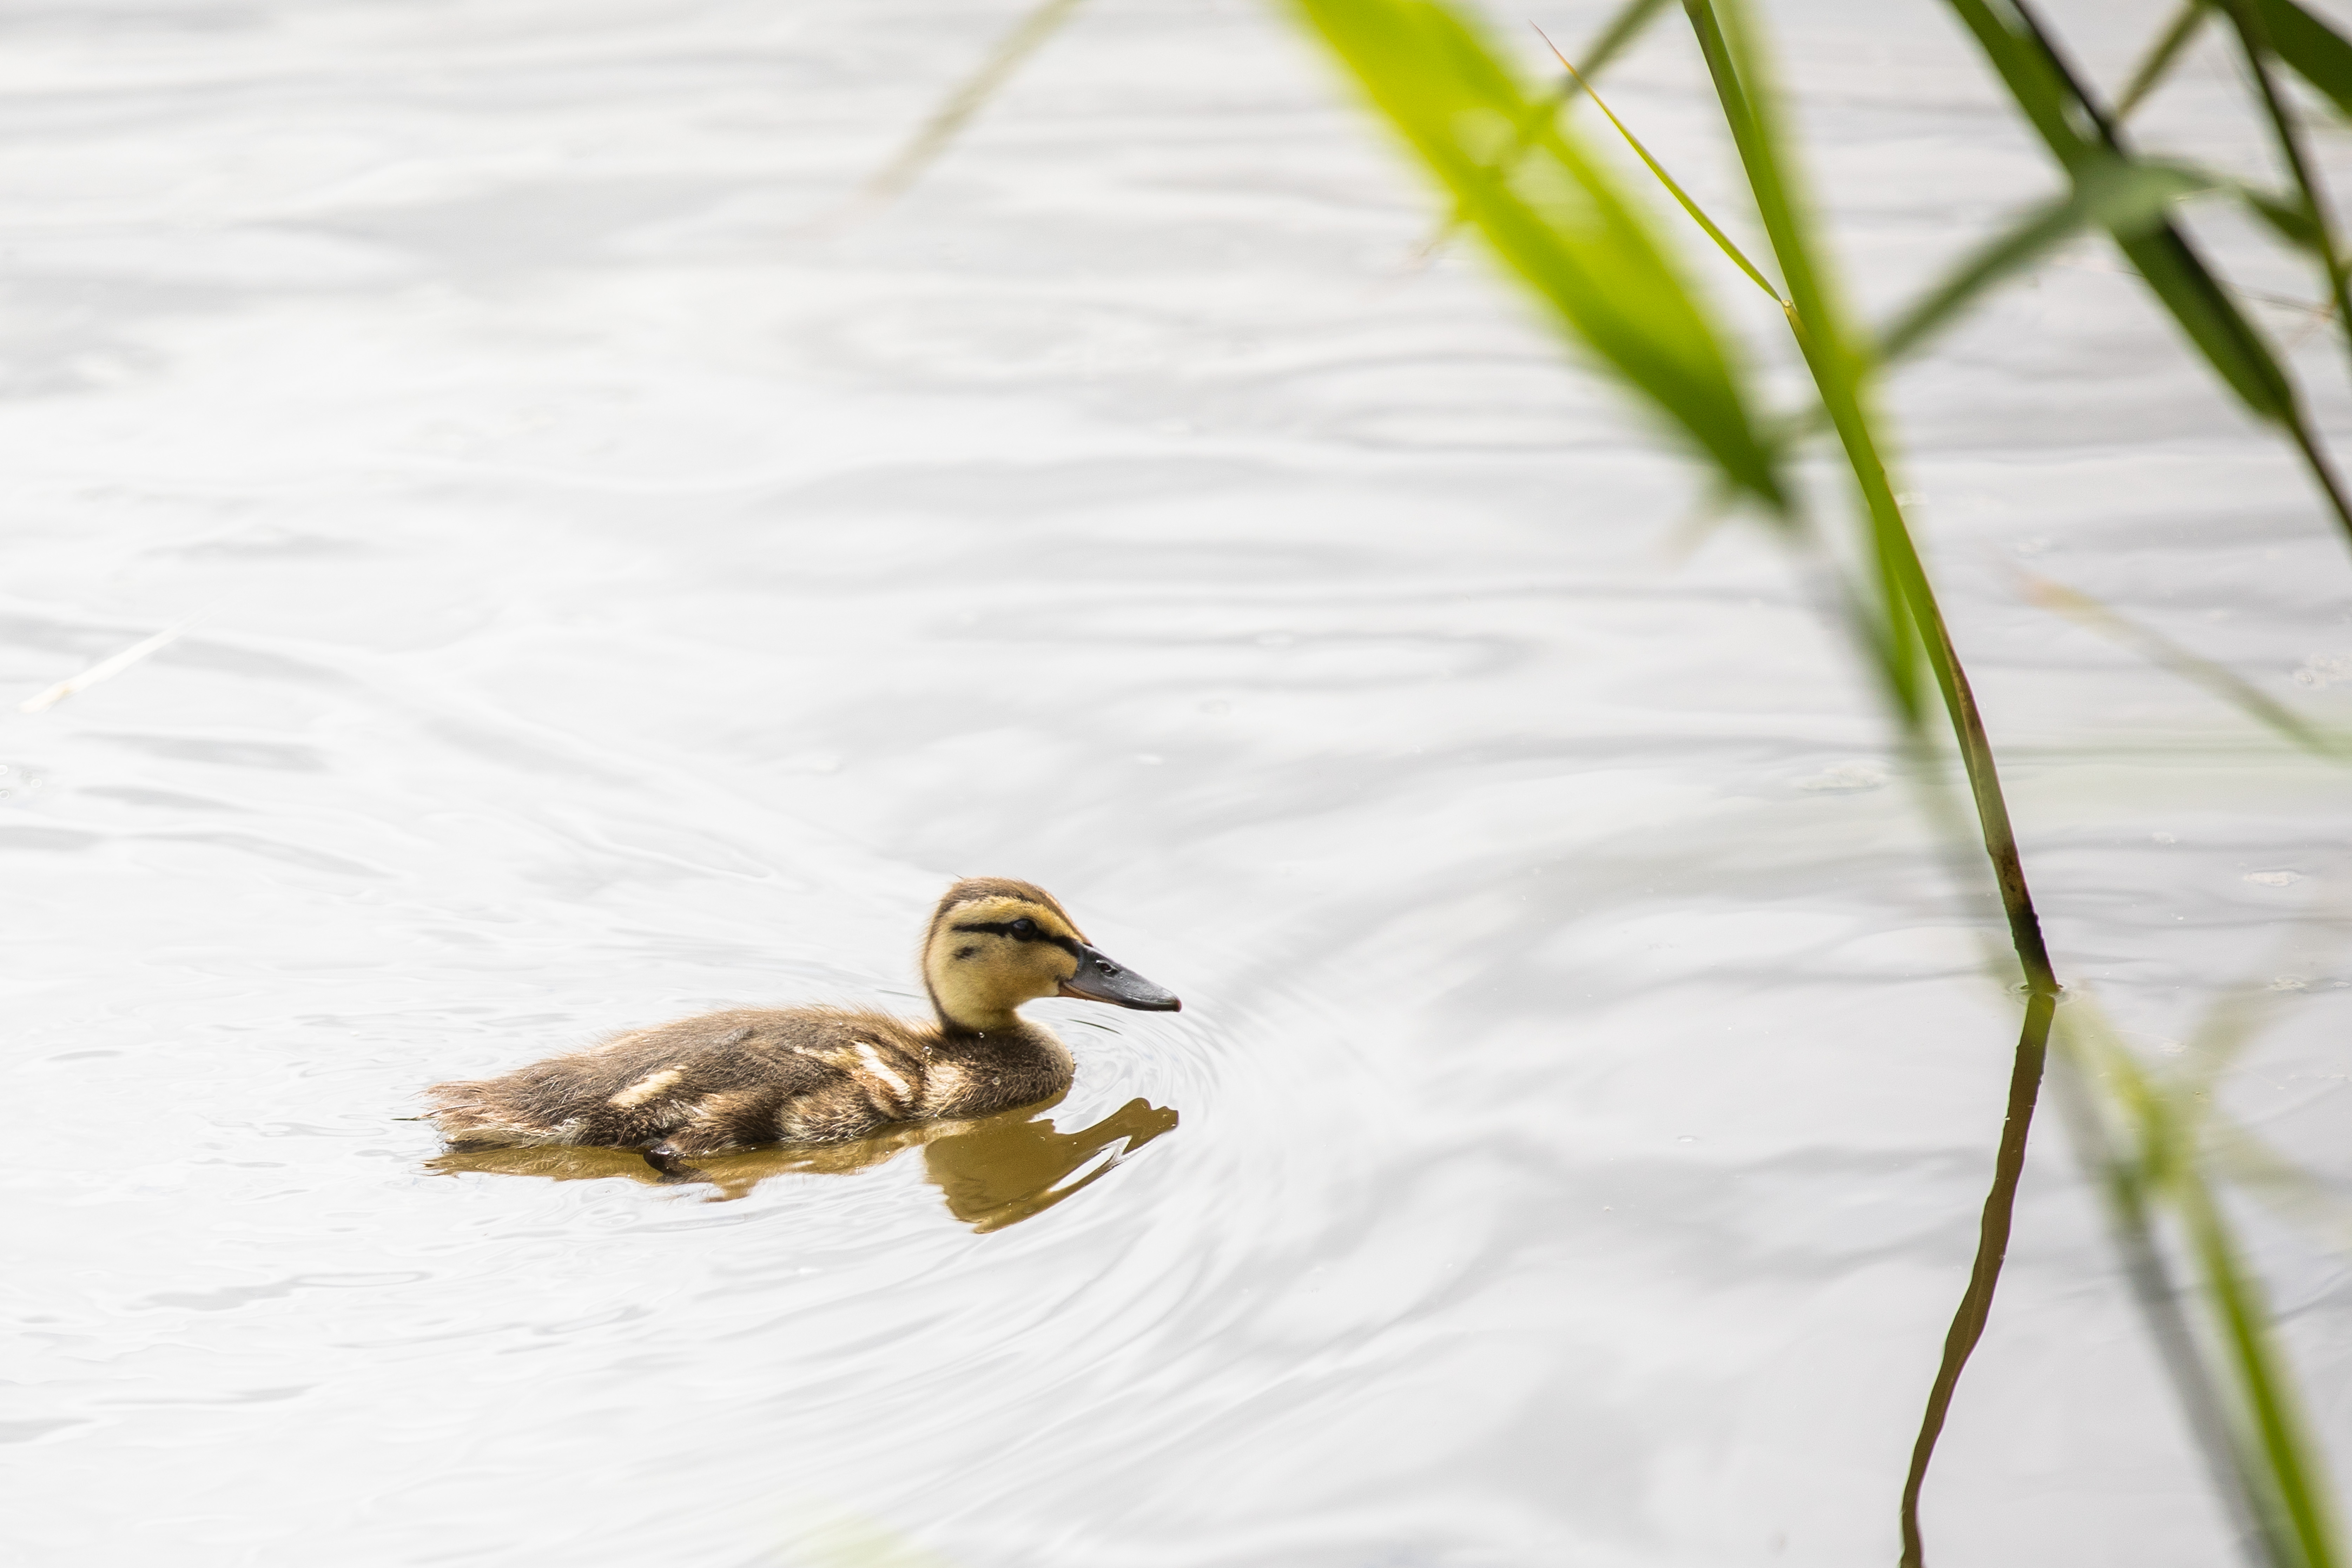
x,y
731,1081
820,1075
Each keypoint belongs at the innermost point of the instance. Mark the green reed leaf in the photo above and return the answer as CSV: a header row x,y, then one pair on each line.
x,y
1722,240
2081,138
2169,46
2246,19
2295,1477
1554,216
2107,192
1905,606
2292,221
2236,1384
2294,1194
1841,371
2213,322
2316,51
1619,35
2076,130
2123,1135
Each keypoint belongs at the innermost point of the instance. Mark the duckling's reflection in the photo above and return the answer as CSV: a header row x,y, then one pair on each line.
x,y
994,1171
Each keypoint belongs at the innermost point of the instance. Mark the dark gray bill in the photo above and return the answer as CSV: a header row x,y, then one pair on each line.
x,y
1100,980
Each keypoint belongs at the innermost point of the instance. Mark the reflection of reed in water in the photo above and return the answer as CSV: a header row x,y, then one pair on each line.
x,y
994,1171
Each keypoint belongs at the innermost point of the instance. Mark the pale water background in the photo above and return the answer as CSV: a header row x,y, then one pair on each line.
x,y
617,597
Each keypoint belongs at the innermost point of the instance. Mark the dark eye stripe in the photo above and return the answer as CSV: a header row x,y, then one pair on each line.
x,y
993,928
1004,928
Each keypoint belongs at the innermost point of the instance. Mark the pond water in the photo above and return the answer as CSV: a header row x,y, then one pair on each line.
x,y
613,591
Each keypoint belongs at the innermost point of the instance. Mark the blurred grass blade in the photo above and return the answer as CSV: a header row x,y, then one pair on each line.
x,y
1619,35
2291,221
2315,51
1613,39
2075,130
2297,1484
2055,104
2158,649
2108,192
2255,42
2217,1043
1750,109
1554,216
2175,39
2099,1084
1836,369
1698,215
2292,1191
2220,331
2279,1477
935,135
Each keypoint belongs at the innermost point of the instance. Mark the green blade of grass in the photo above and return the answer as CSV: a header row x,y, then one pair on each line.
x,y
2292,1193
2292,221
1619,35
1836,371
2317,52
2099,1082
1882,630
1554,217
2057,107
2075,130
1532,200
2277,1485
1841,373
2254,39
1698,214
2307,1535
2107,193
2220,331
2169,46
2301,1521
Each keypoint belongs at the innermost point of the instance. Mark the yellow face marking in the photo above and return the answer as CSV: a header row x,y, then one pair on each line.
x,y
983,961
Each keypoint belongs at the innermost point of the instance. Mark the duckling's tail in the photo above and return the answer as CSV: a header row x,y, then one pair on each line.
x,y
477,1116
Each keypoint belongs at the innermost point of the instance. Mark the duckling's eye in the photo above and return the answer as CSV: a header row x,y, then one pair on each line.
x,y
1023,929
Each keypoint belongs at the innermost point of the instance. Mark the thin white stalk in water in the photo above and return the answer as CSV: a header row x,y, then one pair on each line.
x,y
104,669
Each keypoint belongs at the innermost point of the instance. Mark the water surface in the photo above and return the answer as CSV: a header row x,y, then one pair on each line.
x,y
619,594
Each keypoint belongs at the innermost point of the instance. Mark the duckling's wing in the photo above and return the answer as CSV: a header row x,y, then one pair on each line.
x,y
719,1081
617,1093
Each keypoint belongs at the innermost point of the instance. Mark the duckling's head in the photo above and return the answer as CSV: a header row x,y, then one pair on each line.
x,y
994,944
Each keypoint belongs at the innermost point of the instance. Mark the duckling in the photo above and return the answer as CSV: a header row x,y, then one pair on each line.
x,y
822,1075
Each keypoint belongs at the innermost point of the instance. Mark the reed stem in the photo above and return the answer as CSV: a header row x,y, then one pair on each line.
x,y
1992,1250
1842,375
